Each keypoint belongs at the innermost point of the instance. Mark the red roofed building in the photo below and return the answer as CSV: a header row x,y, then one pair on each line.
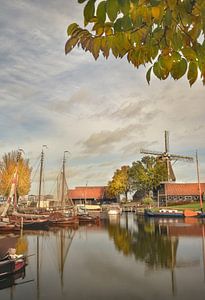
x,y
87,194
179,192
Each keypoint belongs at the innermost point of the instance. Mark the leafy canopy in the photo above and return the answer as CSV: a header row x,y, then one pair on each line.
x,y
7,169
168,35
145,175
119,183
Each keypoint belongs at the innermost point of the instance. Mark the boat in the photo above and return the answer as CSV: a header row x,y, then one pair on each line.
x,y
12,263
59,219
8,227
114,210
166,213
64,216
86,218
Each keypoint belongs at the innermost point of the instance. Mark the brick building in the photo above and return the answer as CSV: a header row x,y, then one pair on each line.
x,y
172,192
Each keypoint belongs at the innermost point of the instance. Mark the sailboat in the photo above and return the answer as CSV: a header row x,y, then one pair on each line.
x,y
63,216
25,220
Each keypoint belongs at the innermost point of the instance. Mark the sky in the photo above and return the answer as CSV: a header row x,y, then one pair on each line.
x,y
101,111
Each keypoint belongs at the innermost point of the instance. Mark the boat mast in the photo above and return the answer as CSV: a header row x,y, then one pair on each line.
x,y
199,184
41,175
63,180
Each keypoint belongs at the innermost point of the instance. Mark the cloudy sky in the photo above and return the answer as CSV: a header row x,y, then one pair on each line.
x,y
101,111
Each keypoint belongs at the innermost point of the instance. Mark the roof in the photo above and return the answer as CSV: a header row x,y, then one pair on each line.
x,y
87,192
184,189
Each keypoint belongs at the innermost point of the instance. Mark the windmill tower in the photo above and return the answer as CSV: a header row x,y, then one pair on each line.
x,y
167,157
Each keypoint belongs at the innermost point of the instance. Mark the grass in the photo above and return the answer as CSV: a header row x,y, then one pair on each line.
x,y
193,206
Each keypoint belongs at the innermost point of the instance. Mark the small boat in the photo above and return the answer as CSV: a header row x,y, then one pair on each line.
x,y
59,219
11,264
166,213
114,210
86,218
29,222
8,227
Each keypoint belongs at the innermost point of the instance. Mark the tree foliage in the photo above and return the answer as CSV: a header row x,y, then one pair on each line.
x,y
119,183
145,175
168,35
7,169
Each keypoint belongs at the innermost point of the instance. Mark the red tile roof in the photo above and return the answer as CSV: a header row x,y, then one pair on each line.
x,y
184,189
89,192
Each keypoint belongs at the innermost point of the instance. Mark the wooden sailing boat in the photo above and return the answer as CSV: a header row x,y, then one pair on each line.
x,y
25,220
64,216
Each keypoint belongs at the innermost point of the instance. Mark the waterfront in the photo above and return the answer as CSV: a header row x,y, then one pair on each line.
x,y
122,258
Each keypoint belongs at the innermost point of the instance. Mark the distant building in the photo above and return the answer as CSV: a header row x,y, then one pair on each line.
x,y
87,194
172,192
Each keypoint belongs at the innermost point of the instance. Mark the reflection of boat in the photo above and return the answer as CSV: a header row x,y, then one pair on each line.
x,y
168,213
9,281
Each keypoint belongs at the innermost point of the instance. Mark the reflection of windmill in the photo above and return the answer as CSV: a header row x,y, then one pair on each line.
x,y
167,157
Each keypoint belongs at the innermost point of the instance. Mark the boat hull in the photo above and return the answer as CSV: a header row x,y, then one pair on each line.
x,y
148,213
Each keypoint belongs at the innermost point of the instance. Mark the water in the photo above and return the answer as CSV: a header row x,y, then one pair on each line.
x,y
123,258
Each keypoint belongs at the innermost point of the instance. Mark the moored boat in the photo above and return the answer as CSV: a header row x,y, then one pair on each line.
x,y
12,264
167,213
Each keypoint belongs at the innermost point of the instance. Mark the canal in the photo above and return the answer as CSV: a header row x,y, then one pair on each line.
x,y
126,257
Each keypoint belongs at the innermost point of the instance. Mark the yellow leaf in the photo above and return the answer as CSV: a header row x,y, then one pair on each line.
x,y
156,12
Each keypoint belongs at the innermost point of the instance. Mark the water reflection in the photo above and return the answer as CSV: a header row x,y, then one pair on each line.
x,y
125,257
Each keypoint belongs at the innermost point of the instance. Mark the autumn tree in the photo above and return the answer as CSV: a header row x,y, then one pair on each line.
x,y
166,35
10,162
145,175
119,183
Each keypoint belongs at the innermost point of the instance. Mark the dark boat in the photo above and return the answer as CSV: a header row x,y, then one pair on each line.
x,y
12,265
166,213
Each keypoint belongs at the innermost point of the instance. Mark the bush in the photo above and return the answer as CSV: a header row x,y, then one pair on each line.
x,y
148,201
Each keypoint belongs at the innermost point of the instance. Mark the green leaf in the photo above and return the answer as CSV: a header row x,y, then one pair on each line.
x,y
112,9
89,10
179,69
192,72
157,70
118,25
101,12
155,2
124,6
189,53
71,27
126,23
166,62
148,75
81,1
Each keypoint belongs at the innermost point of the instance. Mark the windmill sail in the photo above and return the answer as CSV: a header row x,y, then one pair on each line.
x,y
167,158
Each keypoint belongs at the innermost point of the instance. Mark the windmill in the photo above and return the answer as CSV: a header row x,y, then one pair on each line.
x,y
167,157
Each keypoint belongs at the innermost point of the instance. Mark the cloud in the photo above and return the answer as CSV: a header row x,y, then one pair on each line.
x,y
105,140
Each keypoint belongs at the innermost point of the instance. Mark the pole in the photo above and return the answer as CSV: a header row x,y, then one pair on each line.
x,y
63,181
199,184
41,175
40,180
